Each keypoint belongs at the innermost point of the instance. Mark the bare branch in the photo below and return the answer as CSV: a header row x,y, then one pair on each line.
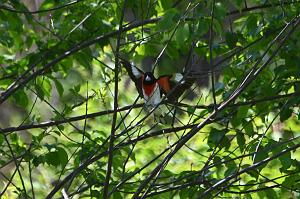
x,y
114,119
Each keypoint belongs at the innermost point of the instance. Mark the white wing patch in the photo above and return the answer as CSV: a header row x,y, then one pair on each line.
x,y
178,77
135,71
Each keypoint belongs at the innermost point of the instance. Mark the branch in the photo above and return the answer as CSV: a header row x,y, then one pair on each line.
x,y
114,119
210,53
4,7
67,120
248,9
253,190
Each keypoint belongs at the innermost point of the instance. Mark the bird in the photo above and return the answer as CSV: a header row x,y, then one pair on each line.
x,y
151,88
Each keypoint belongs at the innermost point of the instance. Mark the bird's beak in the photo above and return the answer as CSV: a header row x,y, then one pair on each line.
x,y
148,78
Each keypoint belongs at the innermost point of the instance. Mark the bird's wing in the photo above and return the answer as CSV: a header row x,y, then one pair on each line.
x,y
164,83
135,74
185,83
179,81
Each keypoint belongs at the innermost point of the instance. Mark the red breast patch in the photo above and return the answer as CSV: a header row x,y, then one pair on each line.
x,y
148,89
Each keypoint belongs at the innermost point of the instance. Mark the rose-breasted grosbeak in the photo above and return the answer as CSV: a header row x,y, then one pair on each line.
x,y
151,88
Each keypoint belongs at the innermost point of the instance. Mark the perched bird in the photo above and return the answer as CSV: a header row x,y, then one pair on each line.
x,y
151,88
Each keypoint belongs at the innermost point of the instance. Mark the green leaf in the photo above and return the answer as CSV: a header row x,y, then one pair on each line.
x,y
59,87
219,88
6,40
292,182
147,50
238,3
249,184
21,98
172,52
184,193
85,59
37,160
230,171
270,193
260,155
39,91
47,4
286,161
168,20
188,193
51,158
117,195
215,137
203,26
248,127
218,138
166,4
231,39
285,114
217,26
254,173
217,160
240,116
43,87
252,24
242,112
15,24
191,110
57,157
77,88
95,193
62,155
118,161
261,194
4,83
241,140
247,196
1,139
64,66
182,34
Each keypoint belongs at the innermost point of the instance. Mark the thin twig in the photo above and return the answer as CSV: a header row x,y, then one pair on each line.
x,y
114,119
30,179
248,9
16,164
210,53
4,7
